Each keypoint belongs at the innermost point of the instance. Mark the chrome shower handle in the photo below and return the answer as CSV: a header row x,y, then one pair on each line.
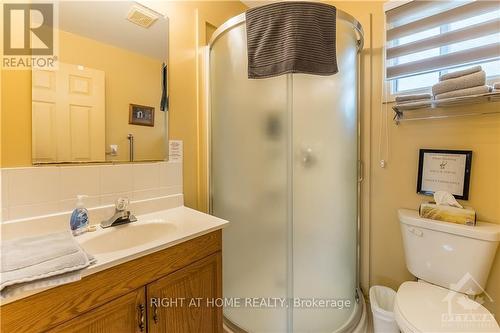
x,y
307,157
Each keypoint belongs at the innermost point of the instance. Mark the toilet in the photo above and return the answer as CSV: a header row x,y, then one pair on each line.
x,y
452,263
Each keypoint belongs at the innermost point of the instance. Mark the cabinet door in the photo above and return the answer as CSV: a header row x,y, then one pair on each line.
x,y
191,287
124,314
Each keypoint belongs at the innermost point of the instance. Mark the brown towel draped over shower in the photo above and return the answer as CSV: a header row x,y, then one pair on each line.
x,y
291,37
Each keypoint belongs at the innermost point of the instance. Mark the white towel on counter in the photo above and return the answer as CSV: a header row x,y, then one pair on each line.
x,y
463,72
411,98
52,281
496,86
462,82
41,261
464,92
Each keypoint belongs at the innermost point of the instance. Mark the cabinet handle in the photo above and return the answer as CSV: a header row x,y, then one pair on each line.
x,y
141,317
155,313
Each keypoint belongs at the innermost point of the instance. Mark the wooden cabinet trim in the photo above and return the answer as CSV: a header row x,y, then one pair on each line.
x,y
190,278
45,310
119,315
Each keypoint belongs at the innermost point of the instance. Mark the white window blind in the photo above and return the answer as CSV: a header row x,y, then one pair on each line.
x,y
433,36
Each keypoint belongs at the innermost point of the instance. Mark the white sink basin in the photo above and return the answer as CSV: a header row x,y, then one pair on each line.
x,y
115,245
125,236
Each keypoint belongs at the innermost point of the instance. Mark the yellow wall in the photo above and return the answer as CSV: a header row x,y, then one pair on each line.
x,y
187,24
130,78
188,21
16,118
387,189
393,187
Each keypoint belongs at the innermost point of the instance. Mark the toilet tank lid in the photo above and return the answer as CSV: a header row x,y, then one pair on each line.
x,y
482,230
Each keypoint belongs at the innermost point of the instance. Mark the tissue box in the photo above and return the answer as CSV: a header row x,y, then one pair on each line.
x,y
451,214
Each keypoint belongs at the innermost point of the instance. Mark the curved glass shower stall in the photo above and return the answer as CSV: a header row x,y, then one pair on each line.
x,y
284,154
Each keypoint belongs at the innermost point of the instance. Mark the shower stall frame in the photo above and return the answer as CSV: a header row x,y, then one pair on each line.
x,y
355,320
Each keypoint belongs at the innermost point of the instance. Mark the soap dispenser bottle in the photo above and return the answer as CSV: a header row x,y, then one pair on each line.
x,y
80,218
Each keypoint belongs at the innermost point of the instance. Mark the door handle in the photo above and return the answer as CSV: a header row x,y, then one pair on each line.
x,y
155,313
361,171
307,157
141,317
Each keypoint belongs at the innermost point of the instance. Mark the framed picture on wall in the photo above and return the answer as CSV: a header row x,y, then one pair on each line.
x,y
141,115
444,170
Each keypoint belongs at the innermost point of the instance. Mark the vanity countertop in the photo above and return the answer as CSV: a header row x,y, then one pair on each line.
x,y
152,232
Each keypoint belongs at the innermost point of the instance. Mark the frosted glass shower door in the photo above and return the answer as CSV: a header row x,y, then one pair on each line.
x,y
325,145
249,182
284,154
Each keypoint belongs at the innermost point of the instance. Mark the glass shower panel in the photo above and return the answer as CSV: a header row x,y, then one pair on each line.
x,y
325,190
249,182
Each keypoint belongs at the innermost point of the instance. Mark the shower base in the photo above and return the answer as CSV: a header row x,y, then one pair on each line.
x,y
350,327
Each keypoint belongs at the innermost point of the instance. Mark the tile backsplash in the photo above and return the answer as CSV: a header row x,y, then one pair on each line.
x,y
34,191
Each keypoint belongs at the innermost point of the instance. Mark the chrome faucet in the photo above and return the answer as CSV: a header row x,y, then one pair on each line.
x,y
121,216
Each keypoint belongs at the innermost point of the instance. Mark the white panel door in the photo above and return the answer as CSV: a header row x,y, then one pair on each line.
x,y
44,147
83,100
77,97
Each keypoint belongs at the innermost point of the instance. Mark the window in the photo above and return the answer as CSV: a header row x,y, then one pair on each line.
x,y
426,39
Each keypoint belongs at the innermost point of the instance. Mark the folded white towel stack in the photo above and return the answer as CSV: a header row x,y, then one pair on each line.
x,y
467,82
416,100
462,82
412,98
421,103
465,92
463,72
41,261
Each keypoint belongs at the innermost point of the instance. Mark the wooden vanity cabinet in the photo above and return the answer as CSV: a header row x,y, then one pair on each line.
x,y
119,299
124,314
185,296
175,303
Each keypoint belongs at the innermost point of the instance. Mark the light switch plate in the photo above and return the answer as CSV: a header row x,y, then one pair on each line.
x,y
113,150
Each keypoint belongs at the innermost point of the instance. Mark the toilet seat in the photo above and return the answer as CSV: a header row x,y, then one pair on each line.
x,y
423,308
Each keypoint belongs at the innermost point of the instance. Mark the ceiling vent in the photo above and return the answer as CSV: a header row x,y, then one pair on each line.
x,y
142,16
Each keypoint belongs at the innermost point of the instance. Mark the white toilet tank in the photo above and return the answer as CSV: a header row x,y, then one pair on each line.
x,y
450,255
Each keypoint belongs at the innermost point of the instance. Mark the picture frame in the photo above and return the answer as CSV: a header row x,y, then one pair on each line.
x,y
141,115
444,170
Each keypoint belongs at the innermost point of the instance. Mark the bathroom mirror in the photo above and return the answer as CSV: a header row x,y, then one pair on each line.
x,y
107,98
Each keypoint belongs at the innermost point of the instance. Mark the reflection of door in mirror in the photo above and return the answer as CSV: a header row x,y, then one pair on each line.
x,y
68,110
106,61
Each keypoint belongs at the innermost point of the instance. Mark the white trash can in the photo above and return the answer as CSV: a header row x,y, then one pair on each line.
x,y
382,304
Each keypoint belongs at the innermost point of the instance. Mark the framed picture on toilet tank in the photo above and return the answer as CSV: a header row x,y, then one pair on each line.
x,y
444,170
